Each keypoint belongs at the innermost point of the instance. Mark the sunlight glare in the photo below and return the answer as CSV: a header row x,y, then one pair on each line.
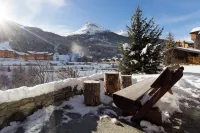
x,y
3,14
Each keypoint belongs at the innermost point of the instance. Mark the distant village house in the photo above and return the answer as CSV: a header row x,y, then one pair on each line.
x,y
185,55
33,55
185,44
187,51
195,36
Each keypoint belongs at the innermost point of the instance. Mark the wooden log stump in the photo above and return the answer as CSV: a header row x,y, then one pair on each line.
x,y
111,82
91,93
126,81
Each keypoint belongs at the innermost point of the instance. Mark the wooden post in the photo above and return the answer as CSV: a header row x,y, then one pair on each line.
x,y
126,81
111,82
91,93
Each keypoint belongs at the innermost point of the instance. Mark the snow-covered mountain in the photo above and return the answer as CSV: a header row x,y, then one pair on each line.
x,y
90,29
97,41
122,33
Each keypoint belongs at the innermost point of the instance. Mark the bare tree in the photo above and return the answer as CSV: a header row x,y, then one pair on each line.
x,y
19,77
36,73
32,78
44,73
4,79
65,73
168,48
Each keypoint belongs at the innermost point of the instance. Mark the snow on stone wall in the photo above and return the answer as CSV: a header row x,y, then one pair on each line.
x,y
18,103
26,92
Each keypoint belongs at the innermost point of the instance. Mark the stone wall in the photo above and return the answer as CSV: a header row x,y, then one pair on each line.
x,y
19,110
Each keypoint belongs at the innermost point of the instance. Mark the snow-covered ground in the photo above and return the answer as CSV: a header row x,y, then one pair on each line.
x,y
187,88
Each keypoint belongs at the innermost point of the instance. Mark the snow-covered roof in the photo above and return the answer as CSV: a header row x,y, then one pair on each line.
x,y
5,46
189,41
34,52
89,28
197,29
89,57
20,53
50,53
31,52
192,50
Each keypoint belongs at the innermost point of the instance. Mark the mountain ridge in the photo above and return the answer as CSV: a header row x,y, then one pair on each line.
x,y
93,40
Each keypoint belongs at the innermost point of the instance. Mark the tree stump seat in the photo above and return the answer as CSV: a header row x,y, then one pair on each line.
x,y
111,82
91,93
126,81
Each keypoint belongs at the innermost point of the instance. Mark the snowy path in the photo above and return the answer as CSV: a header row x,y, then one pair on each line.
x,y
188,89
65,120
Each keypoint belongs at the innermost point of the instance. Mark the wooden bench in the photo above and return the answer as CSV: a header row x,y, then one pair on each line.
x,y
129,99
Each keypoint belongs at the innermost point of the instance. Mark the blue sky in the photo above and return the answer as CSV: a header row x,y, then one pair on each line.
x,y
65,16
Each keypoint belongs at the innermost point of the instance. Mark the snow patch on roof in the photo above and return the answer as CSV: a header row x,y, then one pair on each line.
x,y
189,49
34,52
20,53
50,53
89,28
195,29
190,41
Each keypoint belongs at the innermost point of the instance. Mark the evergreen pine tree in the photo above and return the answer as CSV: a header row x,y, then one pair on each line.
x,y
143,52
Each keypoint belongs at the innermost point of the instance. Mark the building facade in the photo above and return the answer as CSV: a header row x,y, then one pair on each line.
x,y
185,55
195,36
185,44
30,55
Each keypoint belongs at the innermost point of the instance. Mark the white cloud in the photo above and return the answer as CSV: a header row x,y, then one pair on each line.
x,y
57,3
36,5
175,19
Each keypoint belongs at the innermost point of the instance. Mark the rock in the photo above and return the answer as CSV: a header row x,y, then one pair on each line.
x,y
2,119
3,112
29,105
26,100
15,104
3,105
49,102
